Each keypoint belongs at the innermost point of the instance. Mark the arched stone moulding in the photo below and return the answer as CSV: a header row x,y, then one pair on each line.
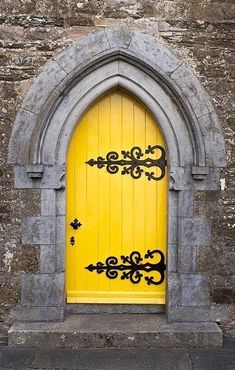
x,y
96,52
60,95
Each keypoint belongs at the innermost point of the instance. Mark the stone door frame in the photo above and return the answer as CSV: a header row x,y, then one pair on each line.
x,y
63,91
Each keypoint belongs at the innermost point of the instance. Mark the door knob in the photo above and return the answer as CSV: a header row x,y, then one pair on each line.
x,y
75,224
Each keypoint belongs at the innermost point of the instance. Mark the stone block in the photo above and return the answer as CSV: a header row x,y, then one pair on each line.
x,y
173,230
43,86
216,313
60,229
213,139
187,290
186,203
119,37
120,331
203,259
173,203
52,178
42,290
173,289
190,86
35,170
154,53
60,202
194,290
172,263
187,259
60,257
182,179
47,259
20,138
48,202
82,51
32,314
38,230
188,314
195,231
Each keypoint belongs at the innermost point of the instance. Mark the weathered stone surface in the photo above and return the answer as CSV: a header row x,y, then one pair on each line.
x,y
52,178
44,85
9,290
48,202
125,331
186,290
18,258
114,308
79,53
28,119
47,258
156,54
198,97
23,313
172,260
189,314
218,313
199,32
118,37
60,257
195,231
194,290
187,260
222,289
38,230
42,290
186,203
173,230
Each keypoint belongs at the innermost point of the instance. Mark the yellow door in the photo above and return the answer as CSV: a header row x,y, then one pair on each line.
x,y
116,205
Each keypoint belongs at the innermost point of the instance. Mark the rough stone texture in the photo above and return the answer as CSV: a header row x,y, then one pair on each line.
x,y
42,290
53,313
200,32
195,231
188,290
125,331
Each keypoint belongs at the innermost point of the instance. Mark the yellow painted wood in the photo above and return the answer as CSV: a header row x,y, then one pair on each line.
x,y
118,213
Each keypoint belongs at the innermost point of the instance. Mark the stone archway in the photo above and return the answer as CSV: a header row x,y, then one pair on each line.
x,y
59,96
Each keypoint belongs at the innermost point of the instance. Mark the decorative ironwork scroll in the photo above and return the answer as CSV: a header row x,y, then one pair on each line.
x,y
132,267
132,163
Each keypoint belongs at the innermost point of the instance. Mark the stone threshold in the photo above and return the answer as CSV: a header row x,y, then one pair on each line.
x,y
76,308
115,330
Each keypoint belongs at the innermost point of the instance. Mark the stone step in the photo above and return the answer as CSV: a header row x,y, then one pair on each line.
x,y
115,330
77,308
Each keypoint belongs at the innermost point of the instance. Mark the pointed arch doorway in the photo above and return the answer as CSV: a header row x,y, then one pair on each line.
x,y
116,208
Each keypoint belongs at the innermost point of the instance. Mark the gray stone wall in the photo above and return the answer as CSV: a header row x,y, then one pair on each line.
x,y
200,32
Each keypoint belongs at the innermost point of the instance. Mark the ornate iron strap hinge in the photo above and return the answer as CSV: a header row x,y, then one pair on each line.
x,y
132,268
131,162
